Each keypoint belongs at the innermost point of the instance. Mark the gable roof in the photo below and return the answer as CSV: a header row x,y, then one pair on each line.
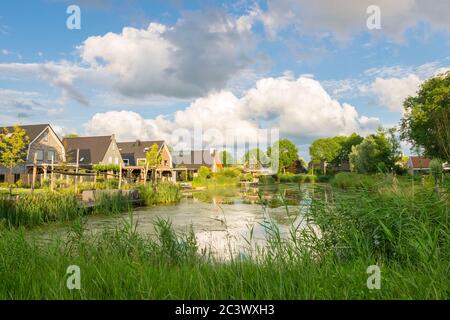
x,y
32,131
136,149
92,149
193,159
419,162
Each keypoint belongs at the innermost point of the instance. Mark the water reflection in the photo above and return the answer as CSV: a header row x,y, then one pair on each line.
x,y
227,221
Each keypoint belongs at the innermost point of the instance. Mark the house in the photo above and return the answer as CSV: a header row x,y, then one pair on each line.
x,y
190,161
344,166
297,167
418,164
92,151
44,145
135,160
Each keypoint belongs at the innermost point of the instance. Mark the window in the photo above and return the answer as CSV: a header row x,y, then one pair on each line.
x,y
45,137
16,177
116,160
110,160
40,155
114,146
51,155
126,162
141,162
2,178
166,162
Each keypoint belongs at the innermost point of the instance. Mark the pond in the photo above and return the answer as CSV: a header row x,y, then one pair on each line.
x,y
226,221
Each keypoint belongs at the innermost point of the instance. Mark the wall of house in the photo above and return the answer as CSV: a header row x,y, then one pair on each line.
x,y
112,155
46,142
166,158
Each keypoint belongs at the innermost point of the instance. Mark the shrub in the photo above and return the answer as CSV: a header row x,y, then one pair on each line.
x,y
162,193
204,172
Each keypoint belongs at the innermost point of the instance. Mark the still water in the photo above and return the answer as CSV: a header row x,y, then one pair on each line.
x,y
226,221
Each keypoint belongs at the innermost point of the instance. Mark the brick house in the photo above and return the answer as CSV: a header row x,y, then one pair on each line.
x,y
44,145
92,151
135,160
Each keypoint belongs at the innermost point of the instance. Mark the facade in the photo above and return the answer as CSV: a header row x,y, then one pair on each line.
x,y
44,146
135,160
92,150
192,160
418,164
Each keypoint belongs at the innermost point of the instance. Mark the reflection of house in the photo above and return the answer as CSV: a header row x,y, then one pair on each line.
x,y
44,145
418,164
191,161
92,151
135,160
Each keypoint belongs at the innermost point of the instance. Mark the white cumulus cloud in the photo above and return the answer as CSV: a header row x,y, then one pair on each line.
x,y
299,108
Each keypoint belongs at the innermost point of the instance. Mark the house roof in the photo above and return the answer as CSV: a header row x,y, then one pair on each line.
x,y
92,149
136,149
419,162
32,131
193,159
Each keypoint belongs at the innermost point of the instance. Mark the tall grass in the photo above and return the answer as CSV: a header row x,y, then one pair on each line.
x,y
296,178
351,180
405,234
35,209
29,210
111,204
162,193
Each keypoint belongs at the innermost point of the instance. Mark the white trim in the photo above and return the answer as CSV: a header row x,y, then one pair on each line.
x,y
137,161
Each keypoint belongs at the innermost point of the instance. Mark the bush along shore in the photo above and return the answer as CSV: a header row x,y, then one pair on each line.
x,y
402,232
29,210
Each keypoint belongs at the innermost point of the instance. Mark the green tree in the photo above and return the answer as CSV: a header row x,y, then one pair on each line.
x,y
153,159
436,171
287,153
13,148
226,158
71,135
326,150
346,147
426,120
395,154
363,156
374,154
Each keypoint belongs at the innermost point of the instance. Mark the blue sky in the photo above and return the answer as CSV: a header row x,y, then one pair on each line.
x,y
142,69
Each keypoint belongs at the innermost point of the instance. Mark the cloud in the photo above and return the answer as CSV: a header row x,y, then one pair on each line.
x,y
60,75
199,53
391,92
127,125
303,111
344,18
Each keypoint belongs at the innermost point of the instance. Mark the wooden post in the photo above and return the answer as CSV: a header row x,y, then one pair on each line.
x,y
76,171
120,175
52,175
45,171
33,179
